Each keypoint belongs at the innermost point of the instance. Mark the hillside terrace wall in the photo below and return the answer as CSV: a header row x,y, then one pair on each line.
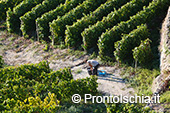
x,y
161,81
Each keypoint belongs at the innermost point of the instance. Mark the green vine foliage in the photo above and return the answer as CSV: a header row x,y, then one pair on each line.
x,y
35,87
5,4
107,39
143,53
58,26
28,25
43,29
92,33
66,89
28,71
73,32
126,108
123,52
34,104
13,21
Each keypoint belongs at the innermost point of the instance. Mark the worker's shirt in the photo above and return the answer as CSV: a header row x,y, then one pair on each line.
x,y
93,62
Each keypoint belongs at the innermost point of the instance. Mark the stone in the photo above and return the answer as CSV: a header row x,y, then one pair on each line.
x,y
161,81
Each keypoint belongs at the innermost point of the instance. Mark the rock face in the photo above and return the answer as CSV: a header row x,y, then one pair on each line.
x,y
162,80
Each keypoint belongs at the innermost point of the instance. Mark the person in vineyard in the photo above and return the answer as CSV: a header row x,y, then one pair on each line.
x,y
94,65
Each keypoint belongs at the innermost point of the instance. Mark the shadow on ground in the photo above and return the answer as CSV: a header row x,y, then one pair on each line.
x,y
110,77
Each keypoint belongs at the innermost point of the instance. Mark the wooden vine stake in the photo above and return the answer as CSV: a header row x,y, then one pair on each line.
x,y
136,63
52,39
38,39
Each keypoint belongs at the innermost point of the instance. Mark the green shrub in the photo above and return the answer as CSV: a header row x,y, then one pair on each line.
x,y
92,33
18,82
34,104
143,53
38,85
125,108
3,8
123,52
67,89
24,88
13,21
28,25
62,74
43,29
58,27
70,107
165,97
30,71
4,5
107,39
73,32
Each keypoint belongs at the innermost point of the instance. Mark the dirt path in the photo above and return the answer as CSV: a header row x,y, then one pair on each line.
x,y
17,51
110,84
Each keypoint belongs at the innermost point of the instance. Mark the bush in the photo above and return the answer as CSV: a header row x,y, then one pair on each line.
x,y
30,71
125,108
62,74
92,33
25,87
28,25
13,22
73,32
107,39
165,98
43,29
34,104
67,89
58,27
4,5
123,52
143,53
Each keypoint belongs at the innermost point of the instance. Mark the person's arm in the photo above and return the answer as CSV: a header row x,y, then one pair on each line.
x,y
91,66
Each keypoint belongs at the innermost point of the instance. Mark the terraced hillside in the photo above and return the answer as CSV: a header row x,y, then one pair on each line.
x,y
125,31
93,25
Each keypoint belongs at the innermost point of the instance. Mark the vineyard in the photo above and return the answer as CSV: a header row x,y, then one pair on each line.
x,y
35,87
84,24
125,31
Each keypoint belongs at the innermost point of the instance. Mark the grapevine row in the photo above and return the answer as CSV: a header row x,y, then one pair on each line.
x,y
143,53
128,42
107,39
73,32
91,34
58,27
17,87
4,5
20,97
13,21
43,29
29,71
28,19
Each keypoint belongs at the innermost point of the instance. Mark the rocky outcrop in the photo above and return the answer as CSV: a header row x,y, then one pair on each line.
x,y
161,81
